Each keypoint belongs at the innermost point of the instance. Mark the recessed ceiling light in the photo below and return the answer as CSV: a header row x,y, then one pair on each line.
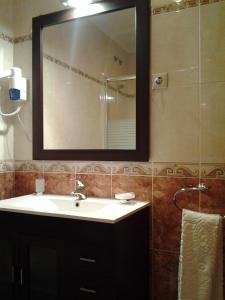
x,y
75,3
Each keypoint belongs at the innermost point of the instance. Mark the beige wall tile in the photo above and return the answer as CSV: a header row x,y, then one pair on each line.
x,y
212,32
31,8
174,46
213,122
175,125
6,62
6,17
23,144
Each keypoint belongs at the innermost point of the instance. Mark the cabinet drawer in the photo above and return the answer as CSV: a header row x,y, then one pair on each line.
x,y
95,264
95,293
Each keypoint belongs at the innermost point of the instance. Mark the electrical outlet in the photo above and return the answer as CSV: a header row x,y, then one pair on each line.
x,y
159,81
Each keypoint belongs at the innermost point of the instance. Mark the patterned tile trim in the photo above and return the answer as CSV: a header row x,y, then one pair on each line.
x,y
181,5
83,74
28,166
6,38
119,168
132,168
216,171
93,168
175,170
58,167
6,166
22,39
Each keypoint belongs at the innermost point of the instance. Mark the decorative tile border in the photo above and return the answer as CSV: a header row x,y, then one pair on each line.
x,y
93,168
205,170
28,166
6,166
132,168
157,169
58,167
6,38
216,171
22,39
175,170
174,7
83,74
183,4
204,2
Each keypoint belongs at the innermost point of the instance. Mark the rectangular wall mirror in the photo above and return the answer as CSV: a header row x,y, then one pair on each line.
x,y
91,82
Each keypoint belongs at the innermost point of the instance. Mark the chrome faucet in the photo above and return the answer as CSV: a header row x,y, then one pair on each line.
x,y
78,195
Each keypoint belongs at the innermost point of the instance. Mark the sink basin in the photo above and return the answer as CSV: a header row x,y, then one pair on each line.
x,y
56,204
92,209
79,206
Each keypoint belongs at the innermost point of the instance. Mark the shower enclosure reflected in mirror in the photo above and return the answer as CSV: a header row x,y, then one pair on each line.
x,y
88,71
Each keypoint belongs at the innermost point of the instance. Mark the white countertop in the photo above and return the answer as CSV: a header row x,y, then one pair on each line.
x,y
92,209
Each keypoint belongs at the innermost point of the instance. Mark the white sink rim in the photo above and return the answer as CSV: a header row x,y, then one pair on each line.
x,y
110,211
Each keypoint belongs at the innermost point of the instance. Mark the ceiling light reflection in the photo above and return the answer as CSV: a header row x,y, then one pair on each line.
x,y
89,10
76,3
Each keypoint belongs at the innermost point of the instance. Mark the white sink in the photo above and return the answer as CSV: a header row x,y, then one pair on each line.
x,y
92,209
80,206
57,204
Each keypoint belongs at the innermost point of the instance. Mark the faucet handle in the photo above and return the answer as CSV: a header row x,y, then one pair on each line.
x,y
79,185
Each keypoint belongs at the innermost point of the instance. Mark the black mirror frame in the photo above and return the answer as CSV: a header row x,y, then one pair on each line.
x,y
141,153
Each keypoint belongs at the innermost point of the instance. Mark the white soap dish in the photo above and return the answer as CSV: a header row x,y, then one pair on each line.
x,y
125,197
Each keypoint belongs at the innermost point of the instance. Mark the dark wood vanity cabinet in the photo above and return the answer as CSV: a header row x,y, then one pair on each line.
x,y
48,258
29,268
8,262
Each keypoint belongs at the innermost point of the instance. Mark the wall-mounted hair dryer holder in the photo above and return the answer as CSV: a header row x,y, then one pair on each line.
x,y
17,89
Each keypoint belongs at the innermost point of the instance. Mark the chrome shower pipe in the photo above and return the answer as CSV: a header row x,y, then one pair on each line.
x,y
121,78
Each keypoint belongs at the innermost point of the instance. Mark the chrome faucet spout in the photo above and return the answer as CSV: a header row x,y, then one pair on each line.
x,y
78,196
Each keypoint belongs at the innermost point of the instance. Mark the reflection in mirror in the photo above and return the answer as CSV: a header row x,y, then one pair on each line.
x,y
89,82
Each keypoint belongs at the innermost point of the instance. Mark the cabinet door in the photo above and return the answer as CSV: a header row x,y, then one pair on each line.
x,y
40,270
7,269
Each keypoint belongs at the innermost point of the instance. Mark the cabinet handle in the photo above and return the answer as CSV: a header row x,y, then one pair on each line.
x,y
90,291
21,277
90,260
13,274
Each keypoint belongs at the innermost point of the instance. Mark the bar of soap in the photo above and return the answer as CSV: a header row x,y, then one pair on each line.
x,y
125,196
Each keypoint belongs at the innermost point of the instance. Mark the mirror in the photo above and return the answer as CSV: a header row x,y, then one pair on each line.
x,y
90,89
89,83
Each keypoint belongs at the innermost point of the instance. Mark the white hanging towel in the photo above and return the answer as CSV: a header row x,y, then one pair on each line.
x,y
201,257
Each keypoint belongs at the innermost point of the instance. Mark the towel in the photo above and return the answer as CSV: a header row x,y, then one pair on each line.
x,y
201,257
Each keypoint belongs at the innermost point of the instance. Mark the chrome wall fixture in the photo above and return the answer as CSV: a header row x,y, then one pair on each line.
x,y
199,187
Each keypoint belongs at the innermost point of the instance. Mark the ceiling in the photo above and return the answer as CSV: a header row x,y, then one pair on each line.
x,y
120,27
